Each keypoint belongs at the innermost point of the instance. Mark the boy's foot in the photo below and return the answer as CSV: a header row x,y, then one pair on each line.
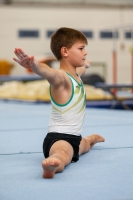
x,y
49,167
95,139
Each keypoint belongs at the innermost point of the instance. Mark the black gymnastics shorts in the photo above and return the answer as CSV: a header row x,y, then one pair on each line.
x,y
53,137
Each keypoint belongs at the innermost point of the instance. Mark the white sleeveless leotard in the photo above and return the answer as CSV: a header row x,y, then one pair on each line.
x,y
68,118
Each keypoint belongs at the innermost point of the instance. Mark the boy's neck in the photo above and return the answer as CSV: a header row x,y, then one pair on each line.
x,y
72,72
69,69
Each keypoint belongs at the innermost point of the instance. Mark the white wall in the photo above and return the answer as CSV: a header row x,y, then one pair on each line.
x,y
14,18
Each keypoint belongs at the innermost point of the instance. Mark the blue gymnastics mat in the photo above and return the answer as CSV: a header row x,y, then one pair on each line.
x,y
106,172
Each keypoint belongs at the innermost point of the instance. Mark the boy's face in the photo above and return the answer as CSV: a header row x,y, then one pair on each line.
x,y
77,54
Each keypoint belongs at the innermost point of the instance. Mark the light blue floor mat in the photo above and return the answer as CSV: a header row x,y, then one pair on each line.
x,y
106,172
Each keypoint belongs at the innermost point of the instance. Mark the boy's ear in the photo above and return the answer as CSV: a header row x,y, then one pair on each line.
x,y
64,52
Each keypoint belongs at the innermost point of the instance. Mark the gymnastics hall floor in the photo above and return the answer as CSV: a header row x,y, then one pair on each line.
x,y
105,173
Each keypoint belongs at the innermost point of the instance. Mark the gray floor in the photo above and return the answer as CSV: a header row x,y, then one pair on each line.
x,y
106,172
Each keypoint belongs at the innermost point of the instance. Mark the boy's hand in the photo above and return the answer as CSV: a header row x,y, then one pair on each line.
x,y
24,59
87,64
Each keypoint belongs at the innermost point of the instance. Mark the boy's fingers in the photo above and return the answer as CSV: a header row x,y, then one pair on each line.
x,y
23,58
18,55
22,53
18,61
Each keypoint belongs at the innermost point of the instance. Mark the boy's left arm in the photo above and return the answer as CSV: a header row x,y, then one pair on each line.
x,y
81,70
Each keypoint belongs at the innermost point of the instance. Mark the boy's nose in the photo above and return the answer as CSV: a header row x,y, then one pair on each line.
x,y
85,52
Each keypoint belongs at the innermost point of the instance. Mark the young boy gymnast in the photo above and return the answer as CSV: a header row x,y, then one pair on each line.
x,y
63,143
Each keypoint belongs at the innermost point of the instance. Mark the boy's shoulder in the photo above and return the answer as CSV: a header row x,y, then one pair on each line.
x,y
64,76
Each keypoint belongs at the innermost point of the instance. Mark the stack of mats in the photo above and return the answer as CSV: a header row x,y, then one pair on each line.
x,y
39,91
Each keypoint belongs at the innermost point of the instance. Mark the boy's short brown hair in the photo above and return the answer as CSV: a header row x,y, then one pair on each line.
x,y
65,37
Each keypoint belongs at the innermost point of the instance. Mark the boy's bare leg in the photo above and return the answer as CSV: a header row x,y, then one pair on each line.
x,y
88,142
60,155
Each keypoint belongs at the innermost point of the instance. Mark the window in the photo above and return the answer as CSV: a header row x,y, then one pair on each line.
x,y
28,33
129,35
108,34
49,33
88,34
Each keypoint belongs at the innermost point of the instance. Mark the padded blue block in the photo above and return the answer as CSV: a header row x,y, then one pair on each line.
x,y
25,116
24,126
21,116
25,123
106,117
12,142
106,172
115,136
101,174
32,140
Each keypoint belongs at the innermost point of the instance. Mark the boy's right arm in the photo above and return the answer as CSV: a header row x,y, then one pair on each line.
x,y
54,77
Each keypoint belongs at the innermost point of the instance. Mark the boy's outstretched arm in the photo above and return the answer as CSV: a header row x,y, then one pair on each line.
x,y
81,70
53,76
